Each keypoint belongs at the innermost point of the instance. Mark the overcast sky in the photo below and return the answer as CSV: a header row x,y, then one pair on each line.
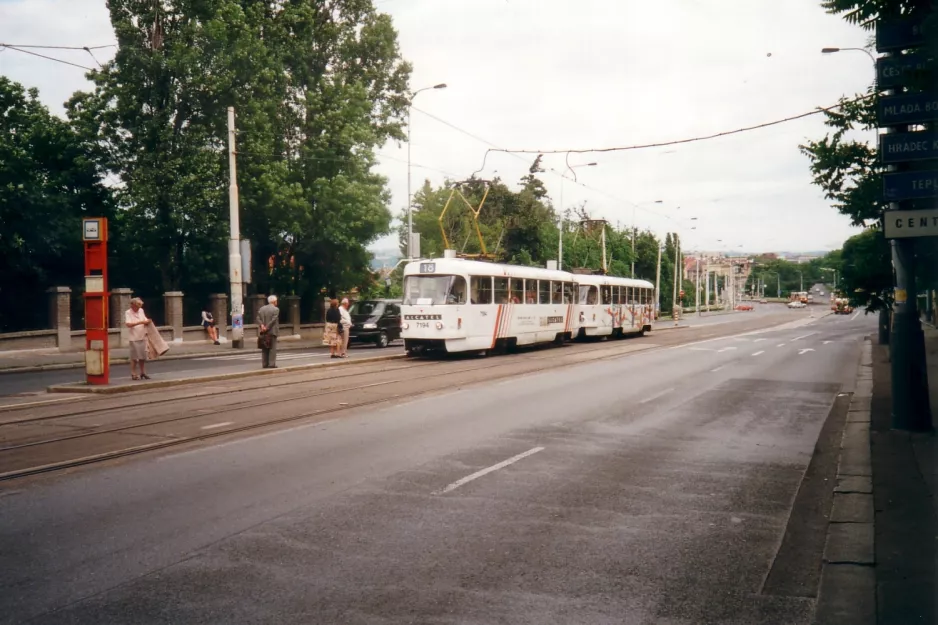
x,y
559,74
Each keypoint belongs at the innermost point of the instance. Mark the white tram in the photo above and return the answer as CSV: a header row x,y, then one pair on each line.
x,y
613,307
458,305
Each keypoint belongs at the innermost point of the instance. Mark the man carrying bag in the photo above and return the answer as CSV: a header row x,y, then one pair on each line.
x,y
268,328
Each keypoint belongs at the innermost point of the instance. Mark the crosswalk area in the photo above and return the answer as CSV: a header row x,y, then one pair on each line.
x,y
801,344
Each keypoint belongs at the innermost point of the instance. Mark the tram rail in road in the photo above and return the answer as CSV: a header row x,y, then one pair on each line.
x,y
90,430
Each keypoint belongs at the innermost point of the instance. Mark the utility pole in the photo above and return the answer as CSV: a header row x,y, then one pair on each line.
x,y
697,288
707,284
674,279
658,284
234,244
633,241
603,237
560,230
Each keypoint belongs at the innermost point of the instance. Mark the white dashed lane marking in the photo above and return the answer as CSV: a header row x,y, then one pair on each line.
x,y
486,471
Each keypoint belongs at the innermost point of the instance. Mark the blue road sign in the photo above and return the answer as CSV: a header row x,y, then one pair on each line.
x,y
899,34
902,147
912,108
910,185
895,71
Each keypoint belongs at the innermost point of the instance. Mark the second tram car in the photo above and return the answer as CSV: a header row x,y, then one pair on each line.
x,y
458,305
613,307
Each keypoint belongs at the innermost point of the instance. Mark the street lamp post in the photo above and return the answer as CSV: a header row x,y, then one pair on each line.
x,y
863,50
560,226
410,216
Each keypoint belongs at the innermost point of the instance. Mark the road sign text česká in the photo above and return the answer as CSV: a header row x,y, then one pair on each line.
x,y
895,71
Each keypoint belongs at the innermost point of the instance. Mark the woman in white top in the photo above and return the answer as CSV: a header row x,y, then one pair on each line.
x,y
136,321
346,327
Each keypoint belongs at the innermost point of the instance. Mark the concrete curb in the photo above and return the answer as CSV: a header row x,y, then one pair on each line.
x,y
81,387
124,361
847,593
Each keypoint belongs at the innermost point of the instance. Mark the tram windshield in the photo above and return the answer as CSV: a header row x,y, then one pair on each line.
x,y
588,295
434,290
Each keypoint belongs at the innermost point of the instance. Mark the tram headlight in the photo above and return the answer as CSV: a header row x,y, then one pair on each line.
x,y
439,325
405,325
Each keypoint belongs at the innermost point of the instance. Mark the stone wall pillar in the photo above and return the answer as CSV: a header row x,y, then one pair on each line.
x,y
172,311
60,315
255,302
292,309
219,303
120,302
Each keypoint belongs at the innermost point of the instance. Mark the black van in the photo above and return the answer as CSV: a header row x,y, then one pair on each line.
x,y
376,321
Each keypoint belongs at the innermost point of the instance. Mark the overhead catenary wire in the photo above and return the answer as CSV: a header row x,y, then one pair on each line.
x,y
37,47
50,58
660,144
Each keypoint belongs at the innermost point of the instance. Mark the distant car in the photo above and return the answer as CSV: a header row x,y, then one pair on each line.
x,y
763,301
376,321
797,304
744,307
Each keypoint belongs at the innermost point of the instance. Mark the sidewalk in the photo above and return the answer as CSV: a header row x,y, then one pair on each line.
x,y
26,360
905,493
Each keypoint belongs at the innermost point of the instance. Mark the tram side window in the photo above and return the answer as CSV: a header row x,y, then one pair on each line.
x,y
501,290
517,291
544,292
605,293
569,289
619,295
481,289
556,292
530,291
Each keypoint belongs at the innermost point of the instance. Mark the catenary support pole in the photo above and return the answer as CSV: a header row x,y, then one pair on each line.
x,y
234,244
910,403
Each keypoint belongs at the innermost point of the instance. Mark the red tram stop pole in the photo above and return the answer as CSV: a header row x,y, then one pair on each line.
x,y
97,358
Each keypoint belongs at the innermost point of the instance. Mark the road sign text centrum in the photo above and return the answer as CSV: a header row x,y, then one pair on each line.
x,y
914,223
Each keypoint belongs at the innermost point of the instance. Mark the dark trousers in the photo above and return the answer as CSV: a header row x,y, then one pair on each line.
x,y
269,356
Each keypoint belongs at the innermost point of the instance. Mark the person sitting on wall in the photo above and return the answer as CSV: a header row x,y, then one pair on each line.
x,y
208,322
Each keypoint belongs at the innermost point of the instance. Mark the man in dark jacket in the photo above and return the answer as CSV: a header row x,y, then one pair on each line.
x,y
268,323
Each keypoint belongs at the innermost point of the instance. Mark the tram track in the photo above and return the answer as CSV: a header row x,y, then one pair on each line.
x,y
125,402
528,363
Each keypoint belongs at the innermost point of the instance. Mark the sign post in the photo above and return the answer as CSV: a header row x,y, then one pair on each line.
x,y
97,359
910,188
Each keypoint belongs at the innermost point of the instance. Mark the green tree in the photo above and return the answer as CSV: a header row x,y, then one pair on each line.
x,y
48,182
867,270
316,86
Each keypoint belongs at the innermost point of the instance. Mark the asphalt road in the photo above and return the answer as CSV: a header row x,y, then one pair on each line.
x,y
652,488
37,382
